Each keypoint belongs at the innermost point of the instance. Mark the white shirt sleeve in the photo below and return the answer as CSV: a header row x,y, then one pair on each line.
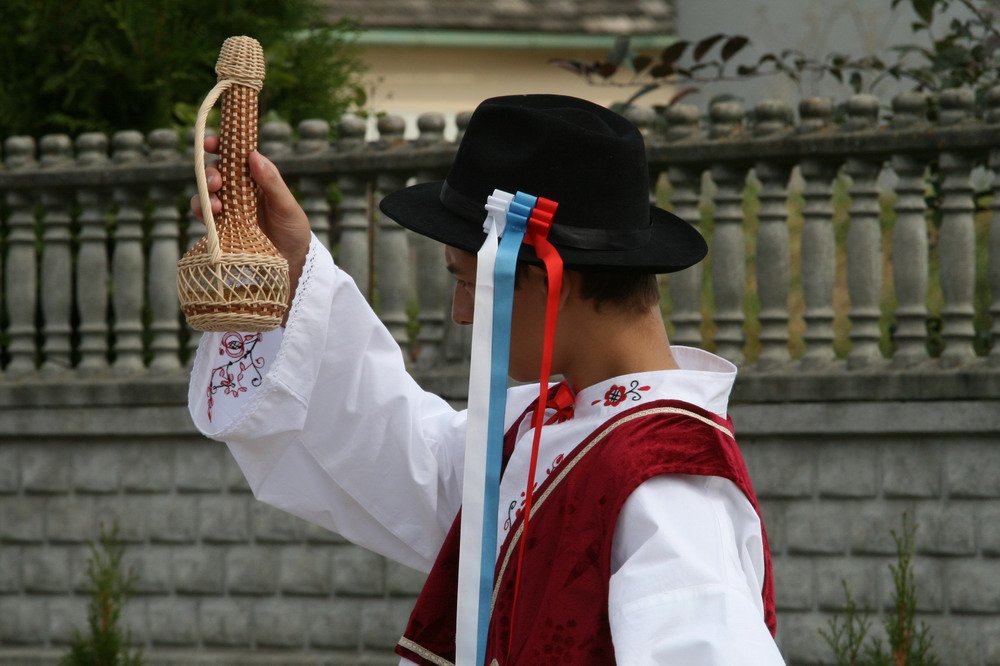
x,y
687,572
336,431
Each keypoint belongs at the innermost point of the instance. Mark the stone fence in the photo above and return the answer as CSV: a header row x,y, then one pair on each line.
x,y
854,275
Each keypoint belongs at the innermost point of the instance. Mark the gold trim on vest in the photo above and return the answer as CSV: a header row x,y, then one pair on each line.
x,y
406,643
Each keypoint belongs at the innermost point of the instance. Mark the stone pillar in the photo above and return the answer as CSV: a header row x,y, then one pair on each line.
x,y
21,268
92,258
818,242
431,277
354,251
993,118
773,118
957,242
57,261
392,251
164,248
127,267
909,237
728,249
276,139
314,137
685,183
864,239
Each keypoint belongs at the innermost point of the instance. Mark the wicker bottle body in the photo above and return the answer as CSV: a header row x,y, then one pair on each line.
x,y
242,283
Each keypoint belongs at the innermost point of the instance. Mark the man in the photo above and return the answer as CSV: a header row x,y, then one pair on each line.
x,y
645,545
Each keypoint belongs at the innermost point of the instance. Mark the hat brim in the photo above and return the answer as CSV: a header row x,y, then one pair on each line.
x,y
673,243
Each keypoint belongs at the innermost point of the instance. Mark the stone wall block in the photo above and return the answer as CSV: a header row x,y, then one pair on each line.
x,y
991,642
313,533
911,469
336,623
280,623
818,529
10,470
972,586
10,569
173,621
945,531
46,468
135,619
226,622
45,570
251,570
147,468
779,468
66,615
957,640
871,525
860,575
989,529
224,518
358,571
24,621
401,579
173,519
793,583
78,558
233,477
799,639
304,570
198,570
129,514
272,525
848,470
199,466
383,622
23,520
152,567
70,519
96,469
972,469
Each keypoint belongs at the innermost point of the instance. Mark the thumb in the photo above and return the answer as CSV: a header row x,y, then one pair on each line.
x,y
278,199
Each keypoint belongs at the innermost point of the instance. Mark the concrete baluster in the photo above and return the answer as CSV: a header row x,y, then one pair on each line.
x,y
164,249
685,182
276,139
314,138
773,118
354,248
818,249
864,239
993,118
957,242
728,248
392,250
127,267
92,257
909,237
21,268
431,277
57,261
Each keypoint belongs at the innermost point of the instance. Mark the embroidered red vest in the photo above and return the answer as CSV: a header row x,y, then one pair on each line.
x,y
562,612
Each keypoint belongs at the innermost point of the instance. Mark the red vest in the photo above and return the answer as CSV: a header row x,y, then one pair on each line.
x,y
562,612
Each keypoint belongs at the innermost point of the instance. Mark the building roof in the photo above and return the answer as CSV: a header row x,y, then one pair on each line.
x,y
581,17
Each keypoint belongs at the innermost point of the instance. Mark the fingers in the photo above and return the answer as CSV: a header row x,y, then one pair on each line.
x,y
196,205
212,144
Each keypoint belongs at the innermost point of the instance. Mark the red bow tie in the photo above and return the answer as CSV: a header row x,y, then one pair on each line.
x,y
561,399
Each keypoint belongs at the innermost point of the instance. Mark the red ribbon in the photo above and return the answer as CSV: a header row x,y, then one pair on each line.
x,y
536,235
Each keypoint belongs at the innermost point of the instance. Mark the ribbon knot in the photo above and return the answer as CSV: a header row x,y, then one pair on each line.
x,y
561,399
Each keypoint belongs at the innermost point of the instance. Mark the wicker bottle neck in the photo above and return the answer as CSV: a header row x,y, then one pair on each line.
x,y
238,138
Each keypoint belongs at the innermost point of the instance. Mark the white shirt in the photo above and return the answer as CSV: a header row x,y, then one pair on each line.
x,y
326,424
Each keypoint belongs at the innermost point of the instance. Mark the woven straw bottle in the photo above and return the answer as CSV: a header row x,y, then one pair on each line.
x,y
233,278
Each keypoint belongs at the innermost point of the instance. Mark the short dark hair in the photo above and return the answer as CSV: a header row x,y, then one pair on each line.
x,y
623,289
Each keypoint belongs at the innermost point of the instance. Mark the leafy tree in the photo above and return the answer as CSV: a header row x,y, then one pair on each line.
x,y
110,588
964,51
78,65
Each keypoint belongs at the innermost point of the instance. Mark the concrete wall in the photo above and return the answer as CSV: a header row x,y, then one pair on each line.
x,y
224,579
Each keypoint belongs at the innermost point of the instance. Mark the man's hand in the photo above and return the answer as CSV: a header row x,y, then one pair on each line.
x,y
280,215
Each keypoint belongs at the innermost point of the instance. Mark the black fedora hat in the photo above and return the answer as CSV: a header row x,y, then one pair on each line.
x,y
587,158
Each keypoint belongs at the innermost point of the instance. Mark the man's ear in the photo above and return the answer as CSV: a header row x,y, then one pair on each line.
x,y
570,287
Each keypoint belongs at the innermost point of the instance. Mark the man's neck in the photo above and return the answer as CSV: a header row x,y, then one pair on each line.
x,y
623,344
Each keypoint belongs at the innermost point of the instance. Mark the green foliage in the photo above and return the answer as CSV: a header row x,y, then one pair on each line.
x,y
963,52
109,587
79,65
908,644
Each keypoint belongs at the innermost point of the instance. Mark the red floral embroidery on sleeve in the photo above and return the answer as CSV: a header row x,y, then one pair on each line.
x,y
616,395
240,366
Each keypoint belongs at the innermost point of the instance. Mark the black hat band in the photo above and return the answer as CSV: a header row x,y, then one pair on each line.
x,y
582,238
